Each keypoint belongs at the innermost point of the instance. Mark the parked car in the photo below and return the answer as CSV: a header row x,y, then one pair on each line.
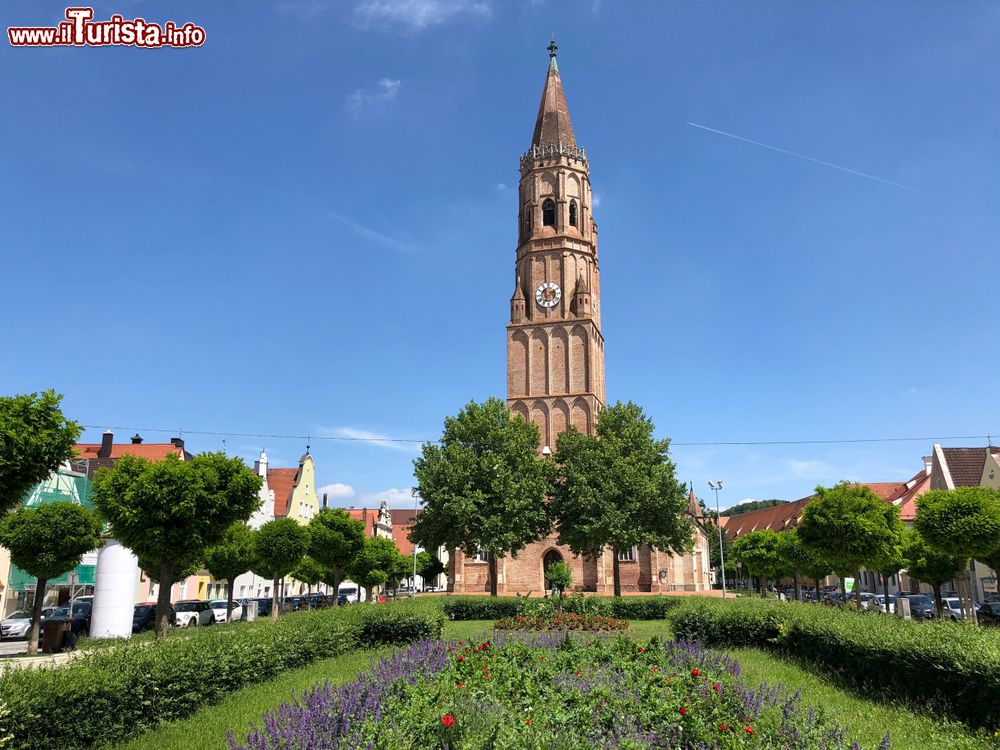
x,y
79,617
348,595
190,613
219,609
880,600
868,600
921,606
16,625
144,617
989,613
951,607
264,606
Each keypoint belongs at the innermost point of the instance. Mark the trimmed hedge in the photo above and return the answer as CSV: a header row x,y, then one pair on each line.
x,y
499,607
954,667
110,694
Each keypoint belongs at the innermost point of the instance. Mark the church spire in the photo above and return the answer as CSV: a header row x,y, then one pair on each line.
x,y
553,127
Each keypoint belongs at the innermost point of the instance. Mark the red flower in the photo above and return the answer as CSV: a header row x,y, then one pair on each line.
x,y
459,684
695,672
723,727
683,711
528,722
461,658
486,668
716,687
748,729
486,675
666,679
448,720
642,650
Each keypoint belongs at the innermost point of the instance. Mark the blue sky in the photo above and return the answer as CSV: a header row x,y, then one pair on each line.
x,y
307,226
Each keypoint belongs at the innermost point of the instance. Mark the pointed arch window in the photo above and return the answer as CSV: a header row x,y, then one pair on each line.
x,y
572,213
528,220
549,213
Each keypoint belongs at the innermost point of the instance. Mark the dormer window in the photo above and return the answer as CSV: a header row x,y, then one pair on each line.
x,y
549,213
572,213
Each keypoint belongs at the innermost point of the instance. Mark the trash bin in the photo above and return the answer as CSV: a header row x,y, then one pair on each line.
x,y
55,633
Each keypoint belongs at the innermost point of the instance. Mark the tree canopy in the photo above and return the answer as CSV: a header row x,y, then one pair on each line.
x,y
279,546
851,527
35,438
759,552
170,512
334,541
483,485
378,561
46,542
429,566
618,488
231,557
929,565
749,507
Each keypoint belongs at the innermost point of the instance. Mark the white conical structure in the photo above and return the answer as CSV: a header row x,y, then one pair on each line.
x,y
114,591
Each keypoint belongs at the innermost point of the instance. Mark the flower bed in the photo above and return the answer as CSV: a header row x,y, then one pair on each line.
x,y
497,607
563,621
547,690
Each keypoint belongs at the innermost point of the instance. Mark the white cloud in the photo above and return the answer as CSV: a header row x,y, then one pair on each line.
x,y
385,91
368,438
595,199
416,15
336,491
393,497
393,243
499,186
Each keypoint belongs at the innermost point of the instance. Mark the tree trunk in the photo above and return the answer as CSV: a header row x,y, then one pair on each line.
x,y
163,600
798,588
974,616
857,589
275,599
761,586
885,591
936,588
843,587
36,615
616,571
336,586
229,600
493,573
818,599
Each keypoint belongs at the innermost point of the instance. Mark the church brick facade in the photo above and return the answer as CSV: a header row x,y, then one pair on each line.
x,y
555,357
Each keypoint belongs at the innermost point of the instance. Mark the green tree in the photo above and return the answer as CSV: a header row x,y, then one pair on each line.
x,y
929,565
798,559
429,567
560,576
46,542
851,527
35,438
279,545
619,489
714,556
309,571
964,523
334,540
760,555
483,485
892,564
170,512
378,561
231,558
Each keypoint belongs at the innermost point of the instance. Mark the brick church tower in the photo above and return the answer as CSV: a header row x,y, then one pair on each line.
x,y
555,357
555,350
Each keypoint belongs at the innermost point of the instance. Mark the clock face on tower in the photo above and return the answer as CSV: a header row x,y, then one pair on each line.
x,y
548,294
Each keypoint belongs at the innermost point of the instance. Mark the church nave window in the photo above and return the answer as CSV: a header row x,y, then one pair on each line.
x,y
627,555
549,213
572,213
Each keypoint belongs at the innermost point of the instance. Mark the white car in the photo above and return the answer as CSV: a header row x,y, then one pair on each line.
x,y
879,603
193,612
951,607
348,594
219,609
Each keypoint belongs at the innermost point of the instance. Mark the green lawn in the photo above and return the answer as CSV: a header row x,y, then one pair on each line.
x,y
868,720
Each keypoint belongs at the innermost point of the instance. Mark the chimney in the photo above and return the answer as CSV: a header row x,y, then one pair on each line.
x,y
107,440
260,465
177,442
137,439
928,464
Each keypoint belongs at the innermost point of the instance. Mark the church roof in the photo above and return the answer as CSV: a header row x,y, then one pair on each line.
x,y
553,125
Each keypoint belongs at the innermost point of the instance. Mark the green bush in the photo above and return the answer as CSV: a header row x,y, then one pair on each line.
x,y
107,695
954,667
496,608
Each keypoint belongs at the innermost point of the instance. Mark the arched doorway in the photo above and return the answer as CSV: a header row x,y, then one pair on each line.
x,y
552,556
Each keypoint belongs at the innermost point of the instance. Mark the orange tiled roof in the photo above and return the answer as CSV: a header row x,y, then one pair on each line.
x,y
776,518
907,500
150,451
282,482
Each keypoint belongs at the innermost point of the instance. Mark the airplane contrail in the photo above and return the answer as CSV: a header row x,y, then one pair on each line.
x,y
803,156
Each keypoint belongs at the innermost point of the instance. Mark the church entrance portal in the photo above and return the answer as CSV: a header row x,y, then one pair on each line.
x,y
552,556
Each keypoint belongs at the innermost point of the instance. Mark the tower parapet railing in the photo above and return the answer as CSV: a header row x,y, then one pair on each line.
x,y
553,150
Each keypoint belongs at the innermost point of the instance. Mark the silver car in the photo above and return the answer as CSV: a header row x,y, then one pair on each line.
x,y
951,607
17,624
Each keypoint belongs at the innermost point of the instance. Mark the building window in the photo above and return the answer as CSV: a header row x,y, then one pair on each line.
x,y
572,213
549,213
627,555
480,556
529,217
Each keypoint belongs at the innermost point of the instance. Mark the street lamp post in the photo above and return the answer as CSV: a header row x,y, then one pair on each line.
x,y
413,588
718,522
